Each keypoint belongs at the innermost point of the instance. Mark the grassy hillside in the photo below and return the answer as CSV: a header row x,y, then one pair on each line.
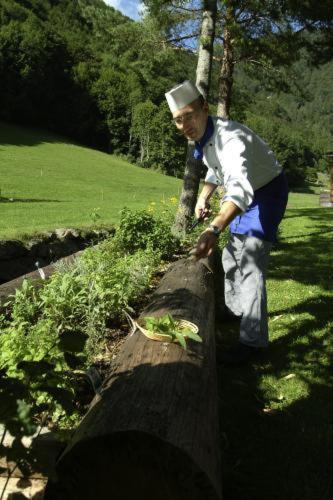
x,y
47,182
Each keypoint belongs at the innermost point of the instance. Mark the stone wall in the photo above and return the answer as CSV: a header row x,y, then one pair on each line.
x,y
18,258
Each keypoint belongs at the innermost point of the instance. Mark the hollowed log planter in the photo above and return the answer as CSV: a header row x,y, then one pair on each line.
x,y
152,434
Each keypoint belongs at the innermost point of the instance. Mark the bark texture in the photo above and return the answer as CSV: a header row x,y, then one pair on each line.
x,y
205,56
153,432
188,197
194,168
227,69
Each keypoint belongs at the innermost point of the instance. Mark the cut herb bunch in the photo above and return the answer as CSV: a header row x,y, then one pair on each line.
x,y
174,329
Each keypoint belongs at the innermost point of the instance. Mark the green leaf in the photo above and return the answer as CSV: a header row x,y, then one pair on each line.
x,y
72,341
73,361
16,449
25,417
168,320
13,387
35,368
8,407
181,339
62,396
192,335
163,324
150,323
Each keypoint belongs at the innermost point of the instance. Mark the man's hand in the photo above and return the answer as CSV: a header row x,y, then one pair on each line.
x,y
202,209
205,245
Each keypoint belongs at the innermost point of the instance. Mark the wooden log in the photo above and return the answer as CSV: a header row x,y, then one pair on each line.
x,y
7,289
153,433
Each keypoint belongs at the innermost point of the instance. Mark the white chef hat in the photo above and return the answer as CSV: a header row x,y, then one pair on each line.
x,y
181,95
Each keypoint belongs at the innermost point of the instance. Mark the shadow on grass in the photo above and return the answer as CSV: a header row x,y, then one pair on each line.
x,y
28,200
306,258
285,454
315,213
20,135
276,432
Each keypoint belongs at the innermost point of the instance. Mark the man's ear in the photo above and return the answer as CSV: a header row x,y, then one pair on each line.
x,y
206,106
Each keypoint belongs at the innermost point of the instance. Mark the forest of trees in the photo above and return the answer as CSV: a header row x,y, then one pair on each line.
x,y
84,70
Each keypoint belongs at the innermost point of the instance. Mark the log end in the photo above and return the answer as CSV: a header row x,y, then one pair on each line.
x,y
127,466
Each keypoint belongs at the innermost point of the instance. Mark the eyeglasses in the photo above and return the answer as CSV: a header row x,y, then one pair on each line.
x,y
187,117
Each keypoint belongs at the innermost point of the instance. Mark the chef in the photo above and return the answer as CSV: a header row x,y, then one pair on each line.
x,y
253,204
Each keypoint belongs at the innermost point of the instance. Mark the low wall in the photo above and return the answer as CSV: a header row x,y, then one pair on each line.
x,y
18,258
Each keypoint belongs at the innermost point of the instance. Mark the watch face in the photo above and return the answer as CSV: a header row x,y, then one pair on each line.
x,y
215,230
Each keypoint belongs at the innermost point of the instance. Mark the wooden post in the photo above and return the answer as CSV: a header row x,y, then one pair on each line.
x,y
153,433
326,197
331,178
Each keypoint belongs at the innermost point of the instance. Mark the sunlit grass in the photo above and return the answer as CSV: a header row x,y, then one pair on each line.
x,y
277,414
47,182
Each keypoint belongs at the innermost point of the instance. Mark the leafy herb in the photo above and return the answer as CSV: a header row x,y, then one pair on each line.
x,y
167,325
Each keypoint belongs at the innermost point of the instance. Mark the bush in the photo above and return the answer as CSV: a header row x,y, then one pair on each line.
x,y
140,230
60,327
288,144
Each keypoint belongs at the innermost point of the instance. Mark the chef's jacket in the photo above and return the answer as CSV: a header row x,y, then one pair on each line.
x,y
252,178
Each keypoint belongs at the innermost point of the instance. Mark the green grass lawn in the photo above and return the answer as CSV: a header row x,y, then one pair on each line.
x,y
277,415
48,182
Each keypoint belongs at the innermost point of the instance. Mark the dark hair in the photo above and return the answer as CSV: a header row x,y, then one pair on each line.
x,y
201,100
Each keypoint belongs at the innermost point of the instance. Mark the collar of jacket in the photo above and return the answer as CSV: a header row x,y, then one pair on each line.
x,y
199,145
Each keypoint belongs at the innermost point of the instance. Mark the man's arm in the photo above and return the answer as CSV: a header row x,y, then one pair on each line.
x,y
207,240
227,213
205,195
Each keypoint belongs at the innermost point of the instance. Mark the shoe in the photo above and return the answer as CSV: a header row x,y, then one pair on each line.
x,y
238,355
225,316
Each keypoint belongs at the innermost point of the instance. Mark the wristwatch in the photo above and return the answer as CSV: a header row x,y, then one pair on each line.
x,y
214,229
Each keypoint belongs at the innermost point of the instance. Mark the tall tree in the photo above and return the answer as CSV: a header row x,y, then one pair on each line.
x,y
182,16
193,167
265,36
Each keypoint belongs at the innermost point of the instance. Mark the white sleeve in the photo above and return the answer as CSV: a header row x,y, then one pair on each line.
x,y
235,159
211,177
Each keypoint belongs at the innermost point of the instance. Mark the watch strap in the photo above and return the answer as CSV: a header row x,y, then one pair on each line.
x,y
214,229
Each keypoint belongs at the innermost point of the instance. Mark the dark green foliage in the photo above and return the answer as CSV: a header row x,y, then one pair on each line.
x,y
290,147
79,68
83,69
298,125
140,230
161,147
54,330
72,342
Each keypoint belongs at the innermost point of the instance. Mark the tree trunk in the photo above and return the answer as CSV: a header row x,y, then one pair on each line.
x,y
153,433
227,69
142,150
205,56
147,154
191,181
194,167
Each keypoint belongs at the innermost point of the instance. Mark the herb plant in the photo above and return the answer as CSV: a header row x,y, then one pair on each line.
x,y
167,325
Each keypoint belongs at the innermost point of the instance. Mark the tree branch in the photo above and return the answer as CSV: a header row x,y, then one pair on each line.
x,y
178,7
178,39
260,63
306,26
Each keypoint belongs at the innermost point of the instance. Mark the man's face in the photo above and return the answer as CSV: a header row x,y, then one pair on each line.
x,y
191,120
